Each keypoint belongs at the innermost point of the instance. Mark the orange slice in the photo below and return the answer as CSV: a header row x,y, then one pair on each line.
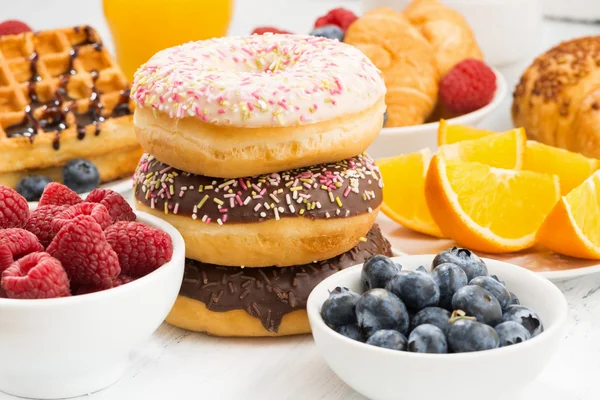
x,y
573,225
571,168
486,208
404,191
448,133
500,150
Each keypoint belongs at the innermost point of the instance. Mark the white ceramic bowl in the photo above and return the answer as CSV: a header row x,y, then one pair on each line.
x,y
382,374
58,348
408,139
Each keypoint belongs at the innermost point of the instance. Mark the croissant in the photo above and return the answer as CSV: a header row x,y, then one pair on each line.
x,y
406,60
446,30
557,100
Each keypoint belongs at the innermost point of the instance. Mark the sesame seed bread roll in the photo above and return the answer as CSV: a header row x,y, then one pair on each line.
x,y
446,30
242,106
280,219
406,61
268,301
557,100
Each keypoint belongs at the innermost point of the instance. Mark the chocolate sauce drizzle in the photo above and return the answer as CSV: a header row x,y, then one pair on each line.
x,y
33,67
88,36
122,107
28,127
270,293
72,56
93,115
34,100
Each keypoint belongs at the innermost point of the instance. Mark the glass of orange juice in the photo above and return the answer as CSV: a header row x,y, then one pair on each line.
x,y
140,28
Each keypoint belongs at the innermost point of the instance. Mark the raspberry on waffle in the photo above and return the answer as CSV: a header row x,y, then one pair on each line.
x,y
62,96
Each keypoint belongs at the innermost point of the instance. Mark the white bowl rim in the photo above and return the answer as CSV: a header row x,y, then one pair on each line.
x,y
178,248
560,318
499,95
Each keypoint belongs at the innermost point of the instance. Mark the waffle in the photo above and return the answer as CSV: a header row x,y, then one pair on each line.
x,y
62,96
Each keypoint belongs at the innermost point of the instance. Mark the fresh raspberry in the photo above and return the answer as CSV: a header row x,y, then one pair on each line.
x,y
13,27
85,254
268,29
40,220
59,195
117,206
467,87
141,248
87,289
338,16
14,209
35,276
94,210
122,280
16,243
119,281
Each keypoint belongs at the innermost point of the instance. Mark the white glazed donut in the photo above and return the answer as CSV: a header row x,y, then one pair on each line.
x,y
239,106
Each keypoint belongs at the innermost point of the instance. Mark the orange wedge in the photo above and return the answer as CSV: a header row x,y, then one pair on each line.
x,y
486,208
404,192
571,168
573,225
448,134
500,150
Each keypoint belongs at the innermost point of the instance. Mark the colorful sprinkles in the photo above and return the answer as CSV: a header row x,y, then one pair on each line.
x,y
259,80
335,190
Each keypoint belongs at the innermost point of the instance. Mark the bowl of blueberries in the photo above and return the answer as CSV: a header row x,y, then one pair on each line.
x,y
450,325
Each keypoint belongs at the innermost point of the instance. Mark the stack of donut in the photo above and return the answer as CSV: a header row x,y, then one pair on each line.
x,y
254,152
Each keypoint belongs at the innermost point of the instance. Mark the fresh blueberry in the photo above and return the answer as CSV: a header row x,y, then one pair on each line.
x,y
477,302
379,309
494,287
514,299
385,118
427,338
469,262
432,315
466,335
497,279
350,331
422,270
388,339
31,187
340,308
377,272
329,32
524,316
449,278
511,332
415,289
81,175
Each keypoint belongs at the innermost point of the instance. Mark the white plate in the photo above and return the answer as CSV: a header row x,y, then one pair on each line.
x,y
120,186
406,242
554,276
408,139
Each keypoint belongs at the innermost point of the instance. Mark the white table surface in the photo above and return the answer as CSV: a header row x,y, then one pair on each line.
x,y
175,364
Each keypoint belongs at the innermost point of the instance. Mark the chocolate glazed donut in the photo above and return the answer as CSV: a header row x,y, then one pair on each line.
x,y
227,301
280,219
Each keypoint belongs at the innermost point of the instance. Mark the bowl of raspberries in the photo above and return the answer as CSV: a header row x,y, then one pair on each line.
x,y
82,283
417,327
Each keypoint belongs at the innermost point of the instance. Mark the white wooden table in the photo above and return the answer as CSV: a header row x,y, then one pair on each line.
x,y
175,364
